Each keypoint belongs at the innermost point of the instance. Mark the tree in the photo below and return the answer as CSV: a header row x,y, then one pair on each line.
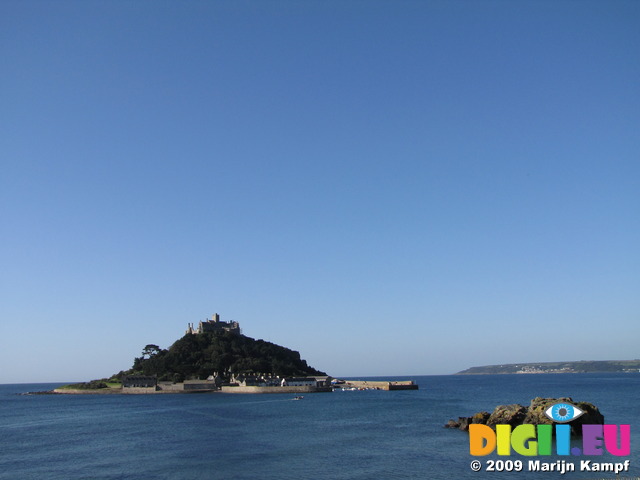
x,y
150,351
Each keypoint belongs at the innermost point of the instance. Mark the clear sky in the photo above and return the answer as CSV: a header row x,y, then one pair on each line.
x,y
388,187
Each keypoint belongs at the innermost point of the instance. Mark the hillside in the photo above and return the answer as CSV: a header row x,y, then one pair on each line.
x,y
583,366
198,356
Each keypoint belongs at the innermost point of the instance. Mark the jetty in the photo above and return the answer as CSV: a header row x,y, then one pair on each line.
x,y
381,385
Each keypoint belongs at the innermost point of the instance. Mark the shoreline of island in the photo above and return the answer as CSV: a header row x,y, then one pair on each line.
x,y
323,384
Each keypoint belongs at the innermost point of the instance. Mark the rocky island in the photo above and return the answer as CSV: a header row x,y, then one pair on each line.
x,y
516,414
215,356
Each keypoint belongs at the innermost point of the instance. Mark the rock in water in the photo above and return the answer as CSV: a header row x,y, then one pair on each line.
x,y
539,405
507,414
516,414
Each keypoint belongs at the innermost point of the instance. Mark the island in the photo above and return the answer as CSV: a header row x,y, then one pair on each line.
x,y
582,366
215,356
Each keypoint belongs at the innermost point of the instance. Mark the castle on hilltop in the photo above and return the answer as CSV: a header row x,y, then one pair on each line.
x,y
214,325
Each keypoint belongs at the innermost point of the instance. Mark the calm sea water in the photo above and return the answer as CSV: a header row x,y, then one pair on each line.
x,y
340,435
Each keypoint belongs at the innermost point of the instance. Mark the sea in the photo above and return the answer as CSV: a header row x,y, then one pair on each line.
x,y
344,435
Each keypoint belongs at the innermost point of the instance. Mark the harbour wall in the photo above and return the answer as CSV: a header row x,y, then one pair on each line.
x,y
299,389
382,385
101,391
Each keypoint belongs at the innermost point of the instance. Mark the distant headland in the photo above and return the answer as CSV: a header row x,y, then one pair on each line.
x,y
582,366
216,357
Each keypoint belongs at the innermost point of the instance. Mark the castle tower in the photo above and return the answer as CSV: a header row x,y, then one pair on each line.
x,y
215,317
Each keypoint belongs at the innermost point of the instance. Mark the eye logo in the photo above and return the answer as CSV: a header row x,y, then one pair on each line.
x,y
563,412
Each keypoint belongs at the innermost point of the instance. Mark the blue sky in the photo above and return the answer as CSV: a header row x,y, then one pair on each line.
x,y
390,188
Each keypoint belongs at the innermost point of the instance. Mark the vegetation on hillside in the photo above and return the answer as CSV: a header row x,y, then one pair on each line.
x,y
198,356
92,385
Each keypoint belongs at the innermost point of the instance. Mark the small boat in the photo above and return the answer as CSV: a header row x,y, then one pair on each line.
x,y
298,397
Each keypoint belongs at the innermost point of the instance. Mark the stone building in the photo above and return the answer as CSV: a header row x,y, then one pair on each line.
x,y
139,381
258,380
139,384
214,325
298,382
262,380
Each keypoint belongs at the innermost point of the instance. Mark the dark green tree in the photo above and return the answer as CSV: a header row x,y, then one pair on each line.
x,y
150,351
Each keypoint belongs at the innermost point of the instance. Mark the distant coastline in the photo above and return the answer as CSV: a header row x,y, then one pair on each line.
x,y
582,366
